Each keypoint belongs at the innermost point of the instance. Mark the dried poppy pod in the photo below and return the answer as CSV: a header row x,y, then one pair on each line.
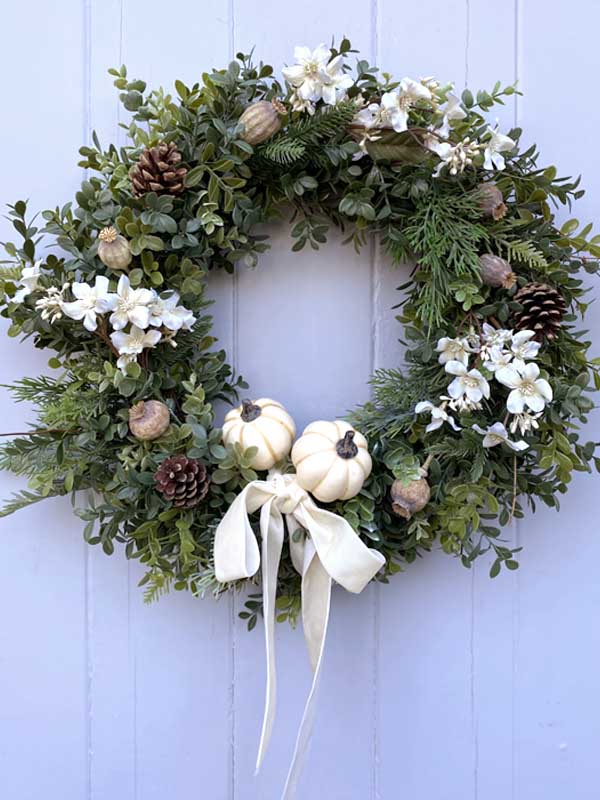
x,y
491,200
149,419
262,120
408,498
113,249
496,271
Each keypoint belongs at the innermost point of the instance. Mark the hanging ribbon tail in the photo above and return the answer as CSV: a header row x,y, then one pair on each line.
x,y
272,531
235,547
316,599
333,551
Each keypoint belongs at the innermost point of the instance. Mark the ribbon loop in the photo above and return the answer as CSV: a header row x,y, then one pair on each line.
x,y
332,551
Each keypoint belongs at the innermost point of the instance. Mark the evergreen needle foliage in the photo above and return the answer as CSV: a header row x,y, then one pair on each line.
x,y
349,164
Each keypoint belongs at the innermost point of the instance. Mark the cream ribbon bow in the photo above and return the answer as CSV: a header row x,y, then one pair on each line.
x,y
332,550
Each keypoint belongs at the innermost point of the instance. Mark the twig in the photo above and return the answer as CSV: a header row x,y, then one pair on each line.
x,y
102,333
425,467
40,431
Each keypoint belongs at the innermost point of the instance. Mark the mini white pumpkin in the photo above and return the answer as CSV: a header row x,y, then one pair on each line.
x,y
264,424
332,460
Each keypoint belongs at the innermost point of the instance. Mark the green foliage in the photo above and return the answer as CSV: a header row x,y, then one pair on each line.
x,y
316,166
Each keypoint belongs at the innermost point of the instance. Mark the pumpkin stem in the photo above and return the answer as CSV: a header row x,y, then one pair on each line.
x,y
345,447
250,411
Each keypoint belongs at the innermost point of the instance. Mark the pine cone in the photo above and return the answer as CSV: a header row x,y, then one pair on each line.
x,y
542,312
183,481
158,170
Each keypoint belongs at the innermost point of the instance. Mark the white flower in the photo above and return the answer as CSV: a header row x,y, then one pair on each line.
x,y
461,404
469,383
525,422
372,116
523,349
317,76
91,301
455,157
122,361
165,311
130,305
438,415
497,434
497,358
28,282
134,342
527,388
494,147
51,304
299,104
452,110
430,83
397,104
453,350
495,336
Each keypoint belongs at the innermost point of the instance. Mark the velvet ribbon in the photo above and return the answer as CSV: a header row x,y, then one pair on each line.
x,y
323,547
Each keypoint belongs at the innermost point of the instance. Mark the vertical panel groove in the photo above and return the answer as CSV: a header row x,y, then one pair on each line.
x,y
472,633
474,716
467,38
517,534
375,337
88,578
231,598
133,672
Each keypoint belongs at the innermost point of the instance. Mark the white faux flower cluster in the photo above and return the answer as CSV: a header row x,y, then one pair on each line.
x,y
136,315
509,358
316,76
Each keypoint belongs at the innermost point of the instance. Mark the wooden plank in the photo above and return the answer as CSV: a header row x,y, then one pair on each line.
x,y
495,603
173,675
43,660
424,658
304,337
111,681
556,697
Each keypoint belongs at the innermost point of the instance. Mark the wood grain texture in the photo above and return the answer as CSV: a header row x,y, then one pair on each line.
x,y
441,686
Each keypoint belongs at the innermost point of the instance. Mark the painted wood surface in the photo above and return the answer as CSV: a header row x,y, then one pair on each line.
x,y
443,685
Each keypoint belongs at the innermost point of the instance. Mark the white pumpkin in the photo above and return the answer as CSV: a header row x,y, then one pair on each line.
x,y
264,424
332,460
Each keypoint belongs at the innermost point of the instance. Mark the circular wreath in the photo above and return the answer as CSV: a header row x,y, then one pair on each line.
x,y
484,417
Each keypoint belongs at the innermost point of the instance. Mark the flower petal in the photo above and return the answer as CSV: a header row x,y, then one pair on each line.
x,y
456,368
535,402
509,377
515,402
455,390
544,389
520,445
140,316
423,405
152,338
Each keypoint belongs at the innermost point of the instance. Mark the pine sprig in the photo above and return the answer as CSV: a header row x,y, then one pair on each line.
x,y
305,135
22,500
526,253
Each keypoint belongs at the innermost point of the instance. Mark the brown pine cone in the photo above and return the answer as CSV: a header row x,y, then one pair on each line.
x,y
183,481
543,308
158,170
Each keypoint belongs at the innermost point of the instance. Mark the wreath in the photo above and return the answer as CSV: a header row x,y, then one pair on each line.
x,y
483,419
